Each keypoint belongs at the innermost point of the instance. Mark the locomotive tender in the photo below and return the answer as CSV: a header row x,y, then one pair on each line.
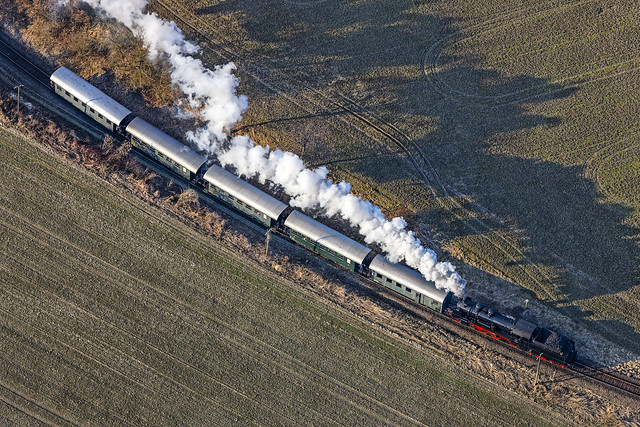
x,y
305,231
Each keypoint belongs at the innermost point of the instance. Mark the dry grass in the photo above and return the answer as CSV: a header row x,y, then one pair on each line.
x,y
71,34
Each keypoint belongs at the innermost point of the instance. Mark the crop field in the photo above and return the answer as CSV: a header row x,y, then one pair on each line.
x,y
505,131
112,312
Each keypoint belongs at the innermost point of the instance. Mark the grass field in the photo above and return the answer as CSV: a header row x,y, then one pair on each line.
x,y
113,312
524,110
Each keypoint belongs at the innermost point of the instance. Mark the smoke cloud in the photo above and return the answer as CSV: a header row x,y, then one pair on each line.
x,y
213,93
311,189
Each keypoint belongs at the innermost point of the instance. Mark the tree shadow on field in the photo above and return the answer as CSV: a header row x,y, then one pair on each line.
x,y
341,36
565,223
399,61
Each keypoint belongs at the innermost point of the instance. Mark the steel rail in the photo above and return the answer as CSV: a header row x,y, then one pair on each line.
x,y
612,379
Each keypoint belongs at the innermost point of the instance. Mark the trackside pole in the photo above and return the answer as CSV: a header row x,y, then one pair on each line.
x,y
18,104
538,368
267,240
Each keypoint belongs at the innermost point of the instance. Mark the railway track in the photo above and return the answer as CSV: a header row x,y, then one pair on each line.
x,y
609,378
23,63
39,90
405,144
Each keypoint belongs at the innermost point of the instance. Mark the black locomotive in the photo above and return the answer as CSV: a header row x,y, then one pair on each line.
x,y
305,231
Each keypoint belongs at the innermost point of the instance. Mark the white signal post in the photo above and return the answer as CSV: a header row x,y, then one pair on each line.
x,y
538,368
18,104
268,239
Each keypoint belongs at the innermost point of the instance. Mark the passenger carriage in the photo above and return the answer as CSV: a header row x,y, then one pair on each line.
x,y
243,196
89,99
409,283
326,241
165,149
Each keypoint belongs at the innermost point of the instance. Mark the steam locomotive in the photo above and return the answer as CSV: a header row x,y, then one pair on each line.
x,y
300,228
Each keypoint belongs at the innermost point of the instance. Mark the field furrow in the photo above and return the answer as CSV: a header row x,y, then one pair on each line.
x,y
262,352
114,312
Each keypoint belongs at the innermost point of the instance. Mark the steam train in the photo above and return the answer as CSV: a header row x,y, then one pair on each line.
x,y
300,228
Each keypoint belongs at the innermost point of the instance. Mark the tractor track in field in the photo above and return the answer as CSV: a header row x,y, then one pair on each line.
x,y
430,71
126,288
23,403
389,132
258,349
97,343
35,332
32,334
434,52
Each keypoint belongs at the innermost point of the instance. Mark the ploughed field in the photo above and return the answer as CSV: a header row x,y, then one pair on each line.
x,y
111,310
506,131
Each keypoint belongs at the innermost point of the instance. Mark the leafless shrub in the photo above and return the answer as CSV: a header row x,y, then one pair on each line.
x,y
108,145
189,201
214,223
71,33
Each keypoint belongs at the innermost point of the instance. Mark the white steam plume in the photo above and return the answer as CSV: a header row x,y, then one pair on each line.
x,y
311,189
213,93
